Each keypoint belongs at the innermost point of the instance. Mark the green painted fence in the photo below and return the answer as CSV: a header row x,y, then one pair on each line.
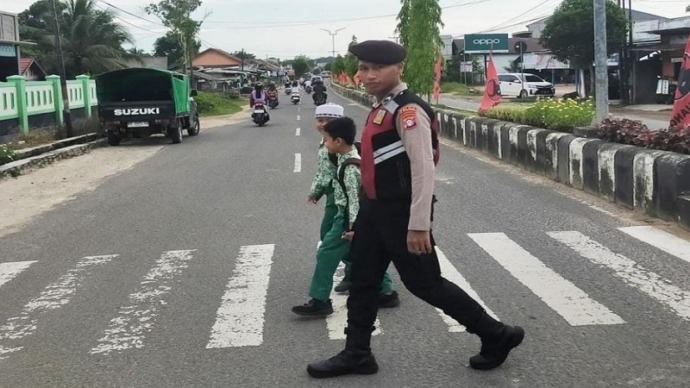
x,y
20,98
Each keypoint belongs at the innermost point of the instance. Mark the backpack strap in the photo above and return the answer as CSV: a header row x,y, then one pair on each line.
x,y
341,180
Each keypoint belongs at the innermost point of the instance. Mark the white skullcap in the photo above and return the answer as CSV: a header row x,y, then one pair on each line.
x,y
329,110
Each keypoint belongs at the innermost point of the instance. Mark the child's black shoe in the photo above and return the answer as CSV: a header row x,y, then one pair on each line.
x,y
314,308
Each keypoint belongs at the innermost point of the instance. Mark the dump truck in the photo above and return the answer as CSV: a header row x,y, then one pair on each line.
x,y
139,102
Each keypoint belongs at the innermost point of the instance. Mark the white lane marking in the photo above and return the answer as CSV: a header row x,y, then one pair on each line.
x,y
297,131
629,271
449,272
298,117
665,241
9,271
298,162
240,317
337,322
299,108
54,296
570,302
128,329
600,210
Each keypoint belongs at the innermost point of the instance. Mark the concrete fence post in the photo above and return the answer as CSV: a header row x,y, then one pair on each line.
x,y
20,90
57,98
86,89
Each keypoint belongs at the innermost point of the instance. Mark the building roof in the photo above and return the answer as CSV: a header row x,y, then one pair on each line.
x,y
222,52
26,63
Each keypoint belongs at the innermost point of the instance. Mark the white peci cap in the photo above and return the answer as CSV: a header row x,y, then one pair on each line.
x,y
329,110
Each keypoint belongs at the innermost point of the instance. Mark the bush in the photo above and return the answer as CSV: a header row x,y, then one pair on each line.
x,y
6,154
557,115
217,104
635,133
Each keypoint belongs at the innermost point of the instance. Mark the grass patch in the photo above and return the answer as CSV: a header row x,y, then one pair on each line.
x,y
459,89
215,104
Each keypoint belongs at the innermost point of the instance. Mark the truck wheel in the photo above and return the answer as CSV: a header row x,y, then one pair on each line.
x,y
113,138
195,127
175,133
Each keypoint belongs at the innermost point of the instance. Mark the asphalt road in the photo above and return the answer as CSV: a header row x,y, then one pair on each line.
x,y
181,273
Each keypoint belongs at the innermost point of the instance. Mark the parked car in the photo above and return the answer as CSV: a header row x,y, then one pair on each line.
x,y
525,85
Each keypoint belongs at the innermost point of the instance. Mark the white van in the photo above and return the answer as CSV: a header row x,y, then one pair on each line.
x,y
512,85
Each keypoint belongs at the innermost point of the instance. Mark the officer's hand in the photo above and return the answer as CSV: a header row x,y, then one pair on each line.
x,y
312,199
419,242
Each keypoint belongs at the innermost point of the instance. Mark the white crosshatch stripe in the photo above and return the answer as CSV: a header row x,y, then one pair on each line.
x,y
337,321
665,241
53,297
240,317
633,274
570,302
449,272
9,271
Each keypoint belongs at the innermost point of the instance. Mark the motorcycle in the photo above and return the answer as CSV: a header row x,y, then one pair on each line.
x,y
319,99
259,115
288,90
295,98
308,89
272,100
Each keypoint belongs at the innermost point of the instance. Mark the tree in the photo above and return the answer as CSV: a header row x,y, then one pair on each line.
x,y
338,65
301,65
176,15
91,39
350,63
569,32
419,23
243,54
169,45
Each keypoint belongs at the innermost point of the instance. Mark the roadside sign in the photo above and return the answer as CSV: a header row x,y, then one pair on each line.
x,y
465,67
485,43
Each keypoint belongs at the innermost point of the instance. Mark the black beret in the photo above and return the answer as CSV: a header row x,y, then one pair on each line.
x,y
382,52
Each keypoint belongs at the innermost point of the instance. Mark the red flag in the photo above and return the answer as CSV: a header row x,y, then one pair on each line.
x,y
437,77
681,107
492,92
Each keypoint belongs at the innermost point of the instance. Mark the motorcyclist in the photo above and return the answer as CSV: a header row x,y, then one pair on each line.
x,y
319,88
258,96
272,94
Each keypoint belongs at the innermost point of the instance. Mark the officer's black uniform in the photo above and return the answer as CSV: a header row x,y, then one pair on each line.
x,y
381,236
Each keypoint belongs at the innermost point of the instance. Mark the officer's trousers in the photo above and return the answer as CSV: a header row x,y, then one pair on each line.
x,y
381,236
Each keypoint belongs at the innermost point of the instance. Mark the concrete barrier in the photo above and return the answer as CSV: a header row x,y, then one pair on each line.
x,y
654,182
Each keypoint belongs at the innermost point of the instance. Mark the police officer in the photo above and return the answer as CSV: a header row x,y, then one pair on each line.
x,y
399,152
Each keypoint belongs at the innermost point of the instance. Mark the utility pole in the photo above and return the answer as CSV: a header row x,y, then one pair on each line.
x,y
600,61
333,34
66,114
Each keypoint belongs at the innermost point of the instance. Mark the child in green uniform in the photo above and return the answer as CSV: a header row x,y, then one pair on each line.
x,y
339,136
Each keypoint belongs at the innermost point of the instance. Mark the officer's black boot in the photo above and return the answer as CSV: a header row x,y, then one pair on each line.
x,y
498,340
355,359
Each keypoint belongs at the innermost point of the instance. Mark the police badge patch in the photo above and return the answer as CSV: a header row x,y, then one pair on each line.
x,y
408,115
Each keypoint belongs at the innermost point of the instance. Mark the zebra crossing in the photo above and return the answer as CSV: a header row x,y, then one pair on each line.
x,y
241,311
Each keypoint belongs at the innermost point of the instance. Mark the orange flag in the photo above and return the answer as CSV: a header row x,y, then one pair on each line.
x,y
681,107
492,92
437,77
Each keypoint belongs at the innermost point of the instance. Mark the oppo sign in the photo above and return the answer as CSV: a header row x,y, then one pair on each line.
x,y
484,43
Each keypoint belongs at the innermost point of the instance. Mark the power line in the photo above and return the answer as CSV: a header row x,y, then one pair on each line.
x,y
130,14
501,25
128,22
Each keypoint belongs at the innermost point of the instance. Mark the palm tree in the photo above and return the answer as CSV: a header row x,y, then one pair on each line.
x,y
91,39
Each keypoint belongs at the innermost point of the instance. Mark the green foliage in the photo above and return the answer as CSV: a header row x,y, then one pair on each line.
x,y
6,154
569,32
91,39
301,65
557,115
211,104
169,45
419,23
458,88
176,15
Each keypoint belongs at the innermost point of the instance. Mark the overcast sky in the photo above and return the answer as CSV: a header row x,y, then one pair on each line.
x,y
285,28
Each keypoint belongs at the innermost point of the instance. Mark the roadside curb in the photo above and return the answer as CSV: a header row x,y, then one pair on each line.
x,y
38,150
20,167
653,182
